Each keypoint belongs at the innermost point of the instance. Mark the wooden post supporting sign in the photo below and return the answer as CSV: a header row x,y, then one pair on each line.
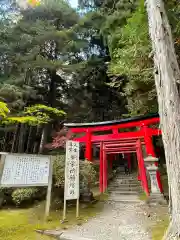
x,y
49,189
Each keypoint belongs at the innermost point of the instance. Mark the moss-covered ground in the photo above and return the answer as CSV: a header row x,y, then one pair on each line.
x,y
160,228
20,224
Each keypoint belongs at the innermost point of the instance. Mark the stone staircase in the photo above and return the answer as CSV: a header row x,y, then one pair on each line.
x,y
124,188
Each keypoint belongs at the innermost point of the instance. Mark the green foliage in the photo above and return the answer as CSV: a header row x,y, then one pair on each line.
x,y
34,115
30,63
133,46
3,110
94,100
131,57
19,196
87,172
43,112
22,195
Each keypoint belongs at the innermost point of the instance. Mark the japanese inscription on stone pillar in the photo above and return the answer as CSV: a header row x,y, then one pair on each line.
x,y
72,170
154,184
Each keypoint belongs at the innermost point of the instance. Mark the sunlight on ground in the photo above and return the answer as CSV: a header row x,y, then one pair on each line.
x,y
160,228
20,224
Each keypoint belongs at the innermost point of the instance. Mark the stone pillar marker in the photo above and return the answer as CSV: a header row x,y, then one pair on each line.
x,y
155,195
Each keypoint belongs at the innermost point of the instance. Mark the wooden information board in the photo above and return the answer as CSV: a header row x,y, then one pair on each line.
x,y
25,170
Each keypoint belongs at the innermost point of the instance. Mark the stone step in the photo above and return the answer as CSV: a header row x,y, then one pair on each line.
x,y
120,190
118,185
119,193
124,199
125,189
124,186
126,178
124,182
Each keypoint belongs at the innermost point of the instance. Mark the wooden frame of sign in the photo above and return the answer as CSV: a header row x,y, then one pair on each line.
x,y
71,186
40,166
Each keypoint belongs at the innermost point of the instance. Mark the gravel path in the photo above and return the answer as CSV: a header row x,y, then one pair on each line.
x,y
118,221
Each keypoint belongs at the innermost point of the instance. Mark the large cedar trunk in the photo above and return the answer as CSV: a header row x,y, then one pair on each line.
x,y
167,75
15,138
37,139
21,138
51,100
29,139
43,139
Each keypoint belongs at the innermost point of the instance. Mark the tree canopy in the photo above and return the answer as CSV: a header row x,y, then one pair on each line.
x,y
94,63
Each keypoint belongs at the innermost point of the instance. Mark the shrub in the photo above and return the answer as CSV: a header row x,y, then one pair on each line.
x,y
22,195
88,175
6,195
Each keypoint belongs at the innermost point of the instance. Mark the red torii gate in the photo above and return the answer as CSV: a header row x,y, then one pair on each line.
x,y
119,142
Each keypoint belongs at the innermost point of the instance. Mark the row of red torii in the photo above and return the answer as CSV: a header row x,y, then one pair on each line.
x,y
119,142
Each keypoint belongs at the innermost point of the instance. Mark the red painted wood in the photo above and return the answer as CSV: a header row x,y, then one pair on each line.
x,y
139,177
142,169
155,132
122,125
119,149
101,169
112,137
119,144
117,137
115,131
150,151
121,140
88,152
105,169
126,141
127,151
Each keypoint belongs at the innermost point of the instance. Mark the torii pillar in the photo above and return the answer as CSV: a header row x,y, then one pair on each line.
x,y
88,151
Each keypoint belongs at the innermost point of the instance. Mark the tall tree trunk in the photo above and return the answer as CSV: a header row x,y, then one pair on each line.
x,y
29,139
15,136
36,141
21,138
4,141
52,102
52,88
43,139
167,75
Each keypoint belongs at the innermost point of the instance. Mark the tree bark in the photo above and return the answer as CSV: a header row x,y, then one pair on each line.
x,y
167,75
36,139
43,139
21,139
15,136
5,140
29,139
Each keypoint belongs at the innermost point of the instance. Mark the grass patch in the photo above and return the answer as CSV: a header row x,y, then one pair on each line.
x,y
143,196
20,224
159,229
